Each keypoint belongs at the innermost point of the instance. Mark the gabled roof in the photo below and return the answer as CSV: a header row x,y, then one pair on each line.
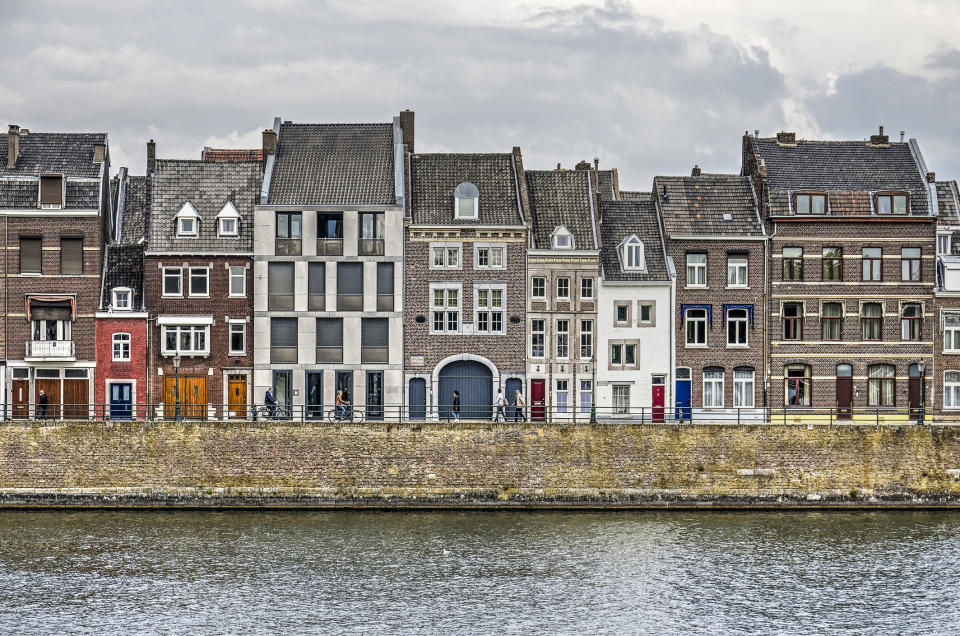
x,y
231,154
433,178
846,167
561,198
948,208
708,204
609,185
69,154
124,268
130,211
207,185
621,219
633,195
334,164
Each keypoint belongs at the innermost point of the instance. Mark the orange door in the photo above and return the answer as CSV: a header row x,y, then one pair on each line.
x,y
190,396
237,396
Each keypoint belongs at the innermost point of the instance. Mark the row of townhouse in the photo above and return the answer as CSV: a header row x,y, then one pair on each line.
x,y
336,259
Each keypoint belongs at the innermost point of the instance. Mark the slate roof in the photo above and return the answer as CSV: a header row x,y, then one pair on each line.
x,y
608,184
70,154
134,219
433,178
208,185
619,220
333,164
840,168
231,154
948,209
634,195
124,269
561,197
697,205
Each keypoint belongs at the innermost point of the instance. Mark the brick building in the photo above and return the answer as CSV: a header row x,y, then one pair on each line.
x,y
851,268
465,282
198,285
55,206
946,343
717,241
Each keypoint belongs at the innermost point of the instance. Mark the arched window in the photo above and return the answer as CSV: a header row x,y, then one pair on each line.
x,y
796,385
631,254
466,200
121,347
881,385
228,221
911,321
562,239
844,371
188,221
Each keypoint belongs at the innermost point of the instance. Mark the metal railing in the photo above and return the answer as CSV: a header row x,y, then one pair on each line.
x,y
329,247
50,349
288,247
370,247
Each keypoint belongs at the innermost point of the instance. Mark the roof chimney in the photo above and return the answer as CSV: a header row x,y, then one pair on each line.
x,y
269,142
151,157
787,138
902,133
582,165
696,171
13,146
756,132
931,177
558,165
99,152
406,128
879,140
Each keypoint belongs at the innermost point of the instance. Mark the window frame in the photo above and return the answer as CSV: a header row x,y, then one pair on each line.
x,y
165,274
835,262
737,263
566,281
831,324
886,385
65,239
585,284
231,331
792,269
715,381
446,249
562,339
562,232
489,308
795,329
891,198
187,213
808,197
951,387
803,384
39,241
633,257
125,345
490,249
875,265
586,339
951,332
534,333
947,239
179,330
911,267
205,277
871,325
694,321
447,310
742,321
742,383
620,398
233,276
697,268
538,283
911,327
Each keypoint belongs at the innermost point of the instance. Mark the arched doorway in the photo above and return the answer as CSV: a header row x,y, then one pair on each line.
x,y
474,381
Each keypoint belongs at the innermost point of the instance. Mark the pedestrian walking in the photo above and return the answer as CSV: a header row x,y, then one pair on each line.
x,y
456,406
501,415
270,402
518,404
42,402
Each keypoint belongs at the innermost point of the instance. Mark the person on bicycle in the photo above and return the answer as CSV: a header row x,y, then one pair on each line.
x,y
270,402
341,405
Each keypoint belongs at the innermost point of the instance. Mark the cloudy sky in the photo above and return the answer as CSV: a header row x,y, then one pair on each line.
x,y
649,87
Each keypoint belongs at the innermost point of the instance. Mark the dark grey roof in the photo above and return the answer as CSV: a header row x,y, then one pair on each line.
x,y
633,195
561,198
619,220
433,178
697,205
124,269
948,209
851,169
19,193
70,154
333,164
208,186
134,213
608,184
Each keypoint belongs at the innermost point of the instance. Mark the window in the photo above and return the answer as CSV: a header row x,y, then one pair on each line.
x,y
445,255
796,383
881,385
944,244
736,271
911,321
371,234
832,263
51,191
563,338
329,233
374,340
562,239
490,257
871,321
188,221
586,396
616,354
872,269
55,326
199,281
696,327
632,257
190,340
891,204
629,354
621,399
810,203
121,347
466,200
737,327
563,395
284,340
621,314
71,256
289,230
831,321
228,221
445,308
793,263
238,337
537,337
743,378
384,286
329,340
563,288
238,281
696,270
712,387
30,255
172,281
586,339
646,313
951,332
349,286
910,264
489,307
586,289
951,389
792,321
122,300
538,288
280,286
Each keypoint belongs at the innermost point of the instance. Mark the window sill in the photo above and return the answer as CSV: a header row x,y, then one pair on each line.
x,y
746,287
199,296
32,274
236,295
696,287
184,354
738,346
171,295
235,354
563,299
952,352
695,346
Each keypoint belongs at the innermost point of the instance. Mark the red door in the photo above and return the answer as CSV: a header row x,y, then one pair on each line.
x,y
659,392
538,404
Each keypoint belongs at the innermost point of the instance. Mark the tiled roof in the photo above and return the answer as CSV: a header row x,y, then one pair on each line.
x,y
208,186
334,164
124,269
231,154
619,220
561,198
697,205
133,227
608,185
19,193
839,167
948,212
633,195
70,154
433,178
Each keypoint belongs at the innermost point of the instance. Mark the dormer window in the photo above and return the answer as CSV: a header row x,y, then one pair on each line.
x,y
122,299
562,239
51,191
631,254
810,203
187,220
466,201
228,221
892,203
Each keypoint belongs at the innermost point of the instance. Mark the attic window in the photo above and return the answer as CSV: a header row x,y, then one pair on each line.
x,y
121,298
892,203
465,201
562,239
631,254
187,220
810,203
228,221
51,191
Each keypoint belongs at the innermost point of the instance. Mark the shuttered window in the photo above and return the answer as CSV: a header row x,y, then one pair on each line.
x,y
51,191
280,286
71,256
283,340
30,254
349,286
329,340
374,340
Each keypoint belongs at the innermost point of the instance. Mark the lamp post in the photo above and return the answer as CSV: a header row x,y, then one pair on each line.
x,y
176,386
920,415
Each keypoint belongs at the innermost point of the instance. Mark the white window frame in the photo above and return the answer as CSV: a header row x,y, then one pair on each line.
x,y
228,212
446,250
122,292
187,211
620,398
714,383
475,200
951,334
584,283
687,320
951,388
944,243
586,391
586,330
744,399
168,271
491,249
236,272
542,332
745,319
632,254
121,339
190,275
533,288
562,387
63,328
192,330
557,341
698,270
559,234
447,309
738,267
567,296
489,309
237,326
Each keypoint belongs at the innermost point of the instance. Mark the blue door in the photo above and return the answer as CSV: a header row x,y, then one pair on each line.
x,y
121,401
418,399
474,382
683,399
510,394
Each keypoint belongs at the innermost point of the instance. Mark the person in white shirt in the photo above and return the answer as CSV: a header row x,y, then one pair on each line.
x,y
518,404
501,415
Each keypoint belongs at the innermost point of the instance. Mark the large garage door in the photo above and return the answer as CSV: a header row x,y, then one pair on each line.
x,y
474,381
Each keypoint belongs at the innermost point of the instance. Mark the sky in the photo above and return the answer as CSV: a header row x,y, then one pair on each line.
x,y
648,87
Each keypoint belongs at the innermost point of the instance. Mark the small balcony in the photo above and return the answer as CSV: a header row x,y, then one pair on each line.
x,y
50,350
370,247
288,247
329,247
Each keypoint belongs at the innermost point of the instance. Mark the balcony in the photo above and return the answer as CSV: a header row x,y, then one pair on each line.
x,y
288,247
329,247
50,350
370,247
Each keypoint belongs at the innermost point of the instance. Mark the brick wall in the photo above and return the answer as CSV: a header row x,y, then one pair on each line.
x,y
135,369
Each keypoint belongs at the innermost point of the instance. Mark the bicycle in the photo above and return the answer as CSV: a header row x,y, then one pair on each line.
x,y
351,414
279,412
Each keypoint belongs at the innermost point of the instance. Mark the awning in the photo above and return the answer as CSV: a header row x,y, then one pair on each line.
x,y
709,308
51,307
749,309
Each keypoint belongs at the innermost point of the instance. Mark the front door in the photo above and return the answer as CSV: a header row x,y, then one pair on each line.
x,y
345,384
237,396
76,399
314,395
417,398
538,403
186,400
20,399
658,398
915,390
51,389
844,391
682,412
510,394
121,401
374,395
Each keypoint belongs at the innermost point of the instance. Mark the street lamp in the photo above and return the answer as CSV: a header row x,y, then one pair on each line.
x,y
176,386
920,415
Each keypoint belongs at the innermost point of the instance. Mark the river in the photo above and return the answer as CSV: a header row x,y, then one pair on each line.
x,y
479,572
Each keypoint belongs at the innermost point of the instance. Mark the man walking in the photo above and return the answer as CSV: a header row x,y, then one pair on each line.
x,y
270,402
518,404
456,406
501,415
42,403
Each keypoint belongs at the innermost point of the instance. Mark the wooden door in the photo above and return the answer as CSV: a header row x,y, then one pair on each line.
x,y
658,399
20,399
237,396
538,402
844,397
913,394
50,386
191,391
76,399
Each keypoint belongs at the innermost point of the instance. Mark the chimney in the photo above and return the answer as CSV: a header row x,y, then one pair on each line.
x,y
902,133
879,140
787,138
269,142
762,169
696,171
406,128
558,166
931,177
151,157
582,165
756,132
99,152
13,146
